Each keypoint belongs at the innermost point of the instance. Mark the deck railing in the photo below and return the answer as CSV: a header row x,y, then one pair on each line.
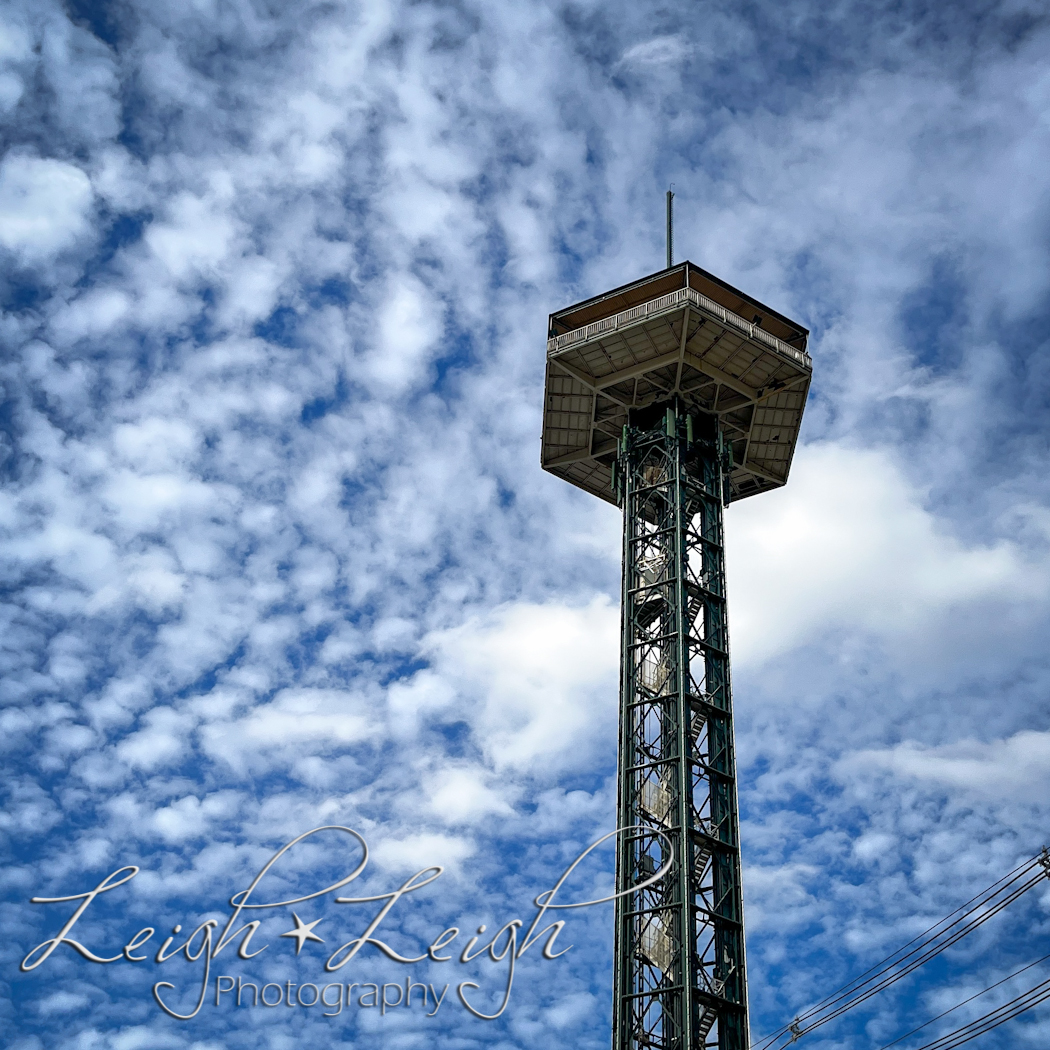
x,y
671,301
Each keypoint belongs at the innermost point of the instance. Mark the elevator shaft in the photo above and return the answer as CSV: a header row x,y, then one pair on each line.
x,y
679,981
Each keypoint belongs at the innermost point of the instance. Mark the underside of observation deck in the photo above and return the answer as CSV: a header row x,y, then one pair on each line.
x,y
682,333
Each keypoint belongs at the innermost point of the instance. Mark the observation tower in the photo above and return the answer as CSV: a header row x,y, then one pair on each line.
x,y
671,397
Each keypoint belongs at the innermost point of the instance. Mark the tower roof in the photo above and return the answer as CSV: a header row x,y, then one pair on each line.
x,y
679,332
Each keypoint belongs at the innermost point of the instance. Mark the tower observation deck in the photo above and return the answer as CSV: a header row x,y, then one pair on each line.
x,y
671,397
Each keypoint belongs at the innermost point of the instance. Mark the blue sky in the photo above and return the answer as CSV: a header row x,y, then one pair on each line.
x,y
277,552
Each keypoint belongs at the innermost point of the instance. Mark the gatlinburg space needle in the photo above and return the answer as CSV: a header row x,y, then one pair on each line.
x,y
671,397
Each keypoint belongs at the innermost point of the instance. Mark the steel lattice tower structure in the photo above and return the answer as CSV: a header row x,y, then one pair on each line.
x,y
671,397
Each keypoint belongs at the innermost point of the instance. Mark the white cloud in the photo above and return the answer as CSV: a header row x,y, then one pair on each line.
x,y
296,725
45,206
92,314
424,694
28,810
458,795
69,739
15,43
143,501
11,89
139,1037
410,321
251,292
62,1002
154,443
15,47
416,852
541,679
198,234
848,544
190,817
659,51
162,742
1015,768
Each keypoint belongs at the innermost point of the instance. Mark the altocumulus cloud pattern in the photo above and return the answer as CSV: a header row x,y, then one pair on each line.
x,y
277,551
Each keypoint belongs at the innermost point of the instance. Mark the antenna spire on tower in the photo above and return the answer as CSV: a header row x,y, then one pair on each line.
x,y
670,228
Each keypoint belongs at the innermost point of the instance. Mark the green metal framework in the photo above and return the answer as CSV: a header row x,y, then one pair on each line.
x,y
679,980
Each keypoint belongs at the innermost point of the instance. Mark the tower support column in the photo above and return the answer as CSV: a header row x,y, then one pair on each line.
x,y
679,981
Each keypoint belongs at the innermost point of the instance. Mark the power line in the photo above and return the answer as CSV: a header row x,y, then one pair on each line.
x,y
872,980
992,1019
882,966
952,1009
940,937
933,951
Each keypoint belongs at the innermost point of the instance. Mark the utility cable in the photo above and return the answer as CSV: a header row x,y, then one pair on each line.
x,y
875,980
952,1009
859,989
1033,997
886,964
935,950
